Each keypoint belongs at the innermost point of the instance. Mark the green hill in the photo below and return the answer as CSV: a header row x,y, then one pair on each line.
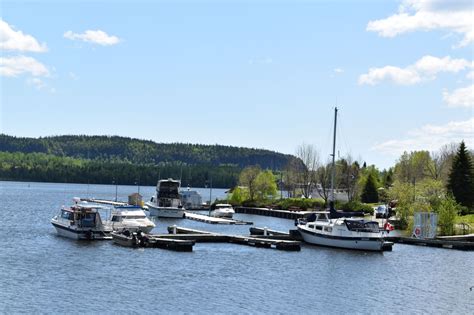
x,y
103,159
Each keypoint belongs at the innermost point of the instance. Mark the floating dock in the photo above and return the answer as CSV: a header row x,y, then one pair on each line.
x,y
213,220
204,236
136,240
105,202
442,243
284,214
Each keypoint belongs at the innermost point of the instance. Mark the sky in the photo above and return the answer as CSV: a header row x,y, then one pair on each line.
x,y
261,74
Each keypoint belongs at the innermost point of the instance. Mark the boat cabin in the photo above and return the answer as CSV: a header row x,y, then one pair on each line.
x,y
81,216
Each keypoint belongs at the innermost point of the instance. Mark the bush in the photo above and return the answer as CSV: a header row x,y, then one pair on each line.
x,y
447,213
303,204
354,206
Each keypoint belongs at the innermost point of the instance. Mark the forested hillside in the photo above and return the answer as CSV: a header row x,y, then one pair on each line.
x,y
103,159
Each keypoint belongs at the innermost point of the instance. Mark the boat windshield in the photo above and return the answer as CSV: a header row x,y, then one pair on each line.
x,y
68,215
168,190
133,217
362,226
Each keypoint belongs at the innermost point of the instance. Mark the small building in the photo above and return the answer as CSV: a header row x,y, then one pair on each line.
x,y
135,199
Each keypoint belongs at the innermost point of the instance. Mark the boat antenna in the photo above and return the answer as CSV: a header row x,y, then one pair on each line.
x,y
333,171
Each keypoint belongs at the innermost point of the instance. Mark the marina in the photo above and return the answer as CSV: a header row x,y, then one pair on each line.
x,y
213,265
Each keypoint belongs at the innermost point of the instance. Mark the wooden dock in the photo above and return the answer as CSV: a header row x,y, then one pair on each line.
x,y
135,240
213,220
284,214
171,244
441,243
105,202
251,240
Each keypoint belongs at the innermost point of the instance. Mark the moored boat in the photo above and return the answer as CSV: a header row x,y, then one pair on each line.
x,y
166,203
131,218
81,221
338,229
222,210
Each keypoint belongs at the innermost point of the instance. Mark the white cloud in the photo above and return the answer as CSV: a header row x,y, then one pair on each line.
x,y
96,37
462,97
430,137
37,83
426,15
425,68
338,70
390,73
13,40
18,65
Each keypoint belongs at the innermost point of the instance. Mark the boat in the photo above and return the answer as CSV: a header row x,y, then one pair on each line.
x,y
166,202
191,199
128,238
131,218
341,229
81,221
221,210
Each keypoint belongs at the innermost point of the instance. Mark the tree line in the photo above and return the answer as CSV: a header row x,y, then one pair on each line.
x,y
441,182
114,148
43,167
106,159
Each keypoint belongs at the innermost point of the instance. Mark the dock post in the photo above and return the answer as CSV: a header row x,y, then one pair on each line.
x,y
174,228
265,231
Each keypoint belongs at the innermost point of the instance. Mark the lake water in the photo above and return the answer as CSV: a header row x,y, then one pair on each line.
x,y
43,273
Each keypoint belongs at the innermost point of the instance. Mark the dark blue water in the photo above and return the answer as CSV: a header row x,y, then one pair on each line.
x,y
43,273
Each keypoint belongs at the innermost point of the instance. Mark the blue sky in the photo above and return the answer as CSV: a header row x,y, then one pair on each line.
x,y
264,74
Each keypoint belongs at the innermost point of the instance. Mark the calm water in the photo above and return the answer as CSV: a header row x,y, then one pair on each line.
x,y
43,273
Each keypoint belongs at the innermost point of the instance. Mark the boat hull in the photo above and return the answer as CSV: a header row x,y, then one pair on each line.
x,y
81,234
165,212
222,214
358,243
126,241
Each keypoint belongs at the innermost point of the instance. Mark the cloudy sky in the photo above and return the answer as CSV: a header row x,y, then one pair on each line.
x,y
264,74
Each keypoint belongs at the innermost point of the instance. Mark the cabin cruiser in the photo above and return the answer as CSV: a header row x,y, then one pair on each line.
x,y
350,233
339,229
166,203
131,218
221,210
81,222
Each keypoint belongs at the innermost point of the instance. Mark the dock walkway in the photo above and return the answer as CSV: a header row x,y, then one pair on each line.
x,y
213,220
284,214
251,240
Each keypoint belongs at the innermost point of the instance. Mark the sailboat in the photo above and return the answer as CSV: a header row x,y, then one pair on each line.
x,y
341,229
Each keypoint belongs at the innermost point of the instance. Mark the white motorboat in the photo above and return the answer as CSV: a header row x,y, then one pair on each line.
x,y
339,229
82,222
350,233
222,210
166,203
131,218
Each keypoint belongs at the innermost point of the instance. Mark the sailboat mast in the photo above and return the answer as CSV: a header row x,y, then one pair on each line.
x,y
333,171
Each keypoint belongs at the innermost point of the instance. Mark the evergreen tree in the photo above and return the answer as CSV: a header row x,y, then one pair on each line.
x,y
461,178
370,194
